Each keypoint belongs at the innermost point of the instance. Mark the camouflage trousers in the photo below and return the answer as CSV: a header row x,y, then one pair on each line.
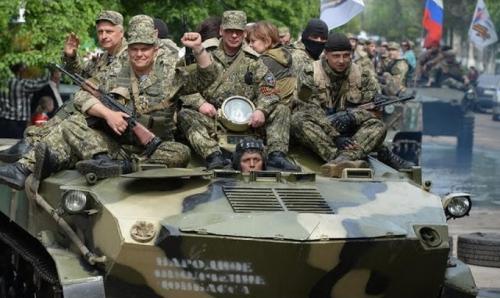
x,y
73,140
311,128
34,134
200,130
369,136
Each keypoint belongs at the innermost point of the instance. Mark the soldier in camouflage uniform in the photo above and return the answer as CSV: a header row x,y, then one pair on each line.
x,y
448,72
164,42
147,86
394,77
335,85
360,56
244,75
309,48
109,27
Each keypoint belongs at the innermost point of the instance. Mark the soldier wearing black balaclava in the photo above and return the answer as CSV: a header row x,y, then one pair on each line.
x,y
310,47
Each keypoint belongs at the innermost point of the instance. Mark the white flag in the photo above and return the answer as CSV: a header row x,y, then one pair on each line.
x,y
482,30
336,13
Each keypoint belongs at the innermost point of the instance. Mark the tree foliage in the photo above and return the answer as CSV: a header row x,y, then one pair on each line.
x,y
40,39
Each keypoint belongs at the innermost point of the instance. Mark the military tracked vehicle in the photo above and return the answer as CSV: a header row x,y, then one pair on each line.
x,y
160,232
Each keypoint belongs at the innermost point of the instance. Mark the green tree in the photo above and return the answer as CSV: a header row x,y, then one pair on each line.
x,y
40,39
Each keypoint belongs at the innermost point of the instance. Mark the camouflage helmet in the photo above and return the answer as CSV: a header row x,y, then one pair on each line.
x,y
141,30
234,19
393,46
111,16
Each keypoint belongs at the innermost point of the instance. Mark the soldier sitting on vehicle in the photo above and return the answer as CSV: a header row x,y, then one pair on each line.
x,y
110,36
448,72
336,85
242,75
153,82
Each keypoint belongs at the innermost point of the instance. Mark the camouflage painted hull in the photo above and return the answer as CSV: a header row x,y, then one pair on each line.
x,y
276,235
208,266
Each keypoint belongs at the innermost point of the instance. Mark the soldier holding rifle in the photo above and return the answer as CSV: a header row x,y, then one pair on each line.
x,y
147,86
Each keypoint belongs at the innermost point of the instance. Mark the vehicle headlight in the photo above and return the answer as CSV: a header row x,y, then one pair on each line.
x,y
74,201
235,113
457,205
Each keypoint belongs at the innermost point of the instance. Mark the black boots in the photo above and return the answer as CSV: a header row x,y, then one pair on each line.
x,y
278,160
388,157
217,161
15,152
14,175
103,166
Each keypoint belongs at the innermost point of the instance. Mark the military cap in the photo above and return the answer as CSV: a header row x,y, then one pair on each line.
x,y
393,46
234,19
283,31
110,16
141,30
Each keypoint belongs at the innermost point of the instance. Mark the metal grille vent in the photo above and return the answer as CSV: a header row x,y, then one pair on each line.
x,y
248,199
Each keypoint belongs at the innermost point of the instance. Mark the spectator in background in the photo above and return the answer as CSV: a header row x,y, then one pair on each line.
x,y
42,110
411,59
473,75
51,90
15,102
209,28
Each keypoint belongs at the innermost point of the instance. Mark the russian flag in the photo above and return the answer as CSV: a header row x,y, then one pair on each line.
x,y
433,22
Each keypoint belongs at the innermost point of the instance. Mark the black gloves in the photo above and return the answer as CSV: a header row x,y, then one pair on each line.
x,y
343,122
344,143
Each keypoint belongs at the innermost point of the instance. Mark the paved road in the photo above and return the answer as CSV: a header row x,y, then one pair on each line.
x,y
481,179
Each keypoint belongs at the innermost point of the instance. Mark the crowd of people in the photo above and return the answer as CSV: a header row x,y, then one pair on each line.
x,y
305,91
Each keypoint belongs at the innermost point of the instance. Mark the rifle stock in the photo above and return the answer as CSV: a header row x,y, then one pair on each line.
x,y
144,136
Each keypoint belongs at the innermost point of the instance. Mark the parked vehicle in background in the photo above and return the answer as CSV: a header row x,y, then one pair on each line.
x,y
67,91
487,92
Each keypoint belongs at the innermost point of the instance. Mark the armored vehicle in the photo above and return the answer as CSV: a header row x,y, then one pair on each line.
x,y
449,112
162,232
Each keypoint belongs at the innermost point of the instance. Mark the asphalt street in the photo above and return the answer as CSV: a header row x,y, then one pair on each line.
x,y
481,179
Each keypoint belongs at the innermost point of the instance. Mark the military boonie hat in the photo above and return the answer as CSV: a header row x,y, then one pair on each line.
x,y
234,19
283,31
110,16
141,30
393,46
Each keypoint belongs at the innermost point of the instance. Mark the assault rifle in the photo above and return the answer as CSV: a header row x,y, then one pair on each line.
x,y
384,100
344,121
145,137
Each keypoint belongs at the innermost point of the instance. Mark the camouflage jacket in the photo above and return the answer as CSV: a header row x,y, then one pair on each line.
x,y
98,66
155,95
398,69
279,62
361,58
302,61
335,92
249,78
169,46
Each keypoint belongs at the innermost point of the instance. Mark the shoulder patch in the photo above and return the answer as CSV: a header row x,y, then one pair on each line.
x,y
270,79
